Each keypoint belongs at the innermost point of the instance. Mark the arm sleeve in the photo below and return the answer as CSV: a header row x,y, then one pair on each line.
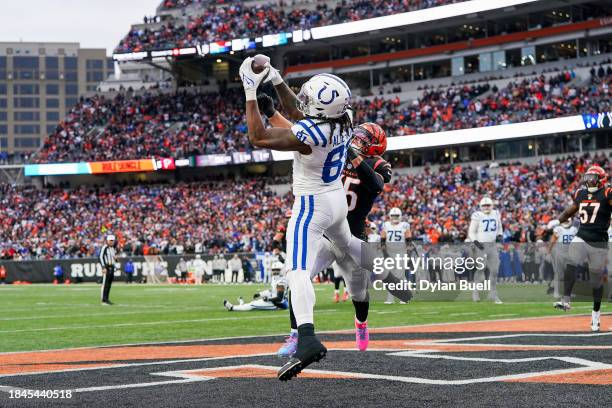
x,y
501,226
473,231
309,133
102,253
383,168
372,180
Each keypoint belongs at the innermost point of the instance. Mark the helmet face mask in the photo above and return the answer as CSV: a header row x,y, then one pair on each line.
x,y
369,139
486,205
595,178
395,215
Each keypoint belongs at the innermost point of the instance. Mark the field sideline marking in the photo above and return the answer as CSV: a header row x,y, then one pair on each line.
x,y
341,331
190,360
99,326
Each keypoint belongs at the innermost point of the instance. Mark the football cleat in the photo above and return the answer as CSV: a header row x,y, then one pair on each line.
x,y
336,297
289,347
345,296
362,335
595,322
562,305
311,352
228,305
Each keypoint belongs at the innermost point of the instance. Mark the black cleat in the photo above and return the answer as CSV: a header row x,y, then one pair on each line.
x,y
304,356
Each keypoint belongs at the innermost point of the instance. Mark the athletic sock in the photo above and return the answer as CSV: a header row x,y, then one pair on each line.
x,y
361,311
306,329
597,295
294,325
568,282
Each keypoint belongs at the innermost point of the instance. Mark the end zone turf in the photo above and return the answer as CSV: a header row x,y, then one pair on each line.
x,y
539,361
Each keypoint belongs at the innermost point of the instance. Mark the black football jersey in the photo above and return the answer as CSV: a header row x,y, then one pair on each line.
x,y
594,210
360,199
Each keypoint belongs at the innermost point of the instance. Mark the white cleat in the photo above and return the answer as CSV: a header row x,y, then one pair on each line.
x,y
388,302
595,322
498,301
562,305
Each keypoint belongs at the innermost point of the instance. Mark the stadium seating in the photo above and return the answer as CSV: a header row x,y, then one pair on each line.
x,y
242,215
190,123
232,19
170,219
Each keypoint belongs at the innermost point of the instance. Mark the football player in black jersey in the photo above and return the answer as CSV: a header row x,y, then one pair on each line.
x,y
593,203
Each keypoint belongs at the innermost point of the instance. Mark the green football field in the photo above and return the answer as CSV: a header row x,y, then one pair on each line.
x,y
37,317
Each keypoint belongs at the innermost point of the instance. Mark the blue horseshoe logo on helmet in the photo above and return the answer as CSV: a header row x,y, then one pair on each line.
x,y
334,95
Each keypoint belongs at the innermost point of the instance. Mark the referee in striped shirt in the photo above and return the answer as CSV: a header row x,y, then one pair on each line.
x,y
107,260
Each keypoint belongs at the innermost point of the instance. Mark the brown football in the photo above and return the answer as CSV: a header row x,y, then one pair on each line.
x,y
259,62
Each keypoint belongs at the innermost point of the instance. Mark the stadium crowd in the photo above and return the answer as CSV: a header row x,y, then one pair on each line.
x,y
232,19
469,106
243,215
130,126
147,219
186,123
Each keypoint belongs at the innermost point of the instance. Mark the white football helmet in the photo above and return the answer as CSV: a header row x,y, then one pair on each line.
x,y
395,214
324,96
486,205
567,224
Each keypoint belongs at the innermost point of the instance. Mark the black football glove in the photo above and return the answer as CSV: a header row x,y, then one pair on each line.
x,y
479,245
351,153
499,239
266,104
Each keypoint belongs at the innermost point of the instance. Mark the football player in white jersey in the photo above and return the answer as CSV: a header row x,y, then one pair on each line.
x,y
563,234
394,234
319,137
373,235
485,230
270,299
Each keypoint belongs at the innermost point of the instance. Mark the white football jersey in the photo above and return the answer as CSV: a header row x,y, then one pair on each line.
x,y
396,232
485,227
610,233
565,235
373,237
319,171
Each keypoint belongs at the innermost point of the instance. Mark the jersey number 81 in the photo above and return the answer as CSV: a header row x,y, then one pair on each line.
x,y
333,164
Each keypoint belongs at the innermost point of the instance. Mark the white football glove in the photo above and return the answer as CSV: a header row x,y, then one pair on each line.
x,y
552,224
251,80
274,76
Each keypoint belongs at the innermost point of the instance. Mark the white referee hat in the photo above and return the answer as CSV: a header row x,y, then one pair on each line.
x,y
110,237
